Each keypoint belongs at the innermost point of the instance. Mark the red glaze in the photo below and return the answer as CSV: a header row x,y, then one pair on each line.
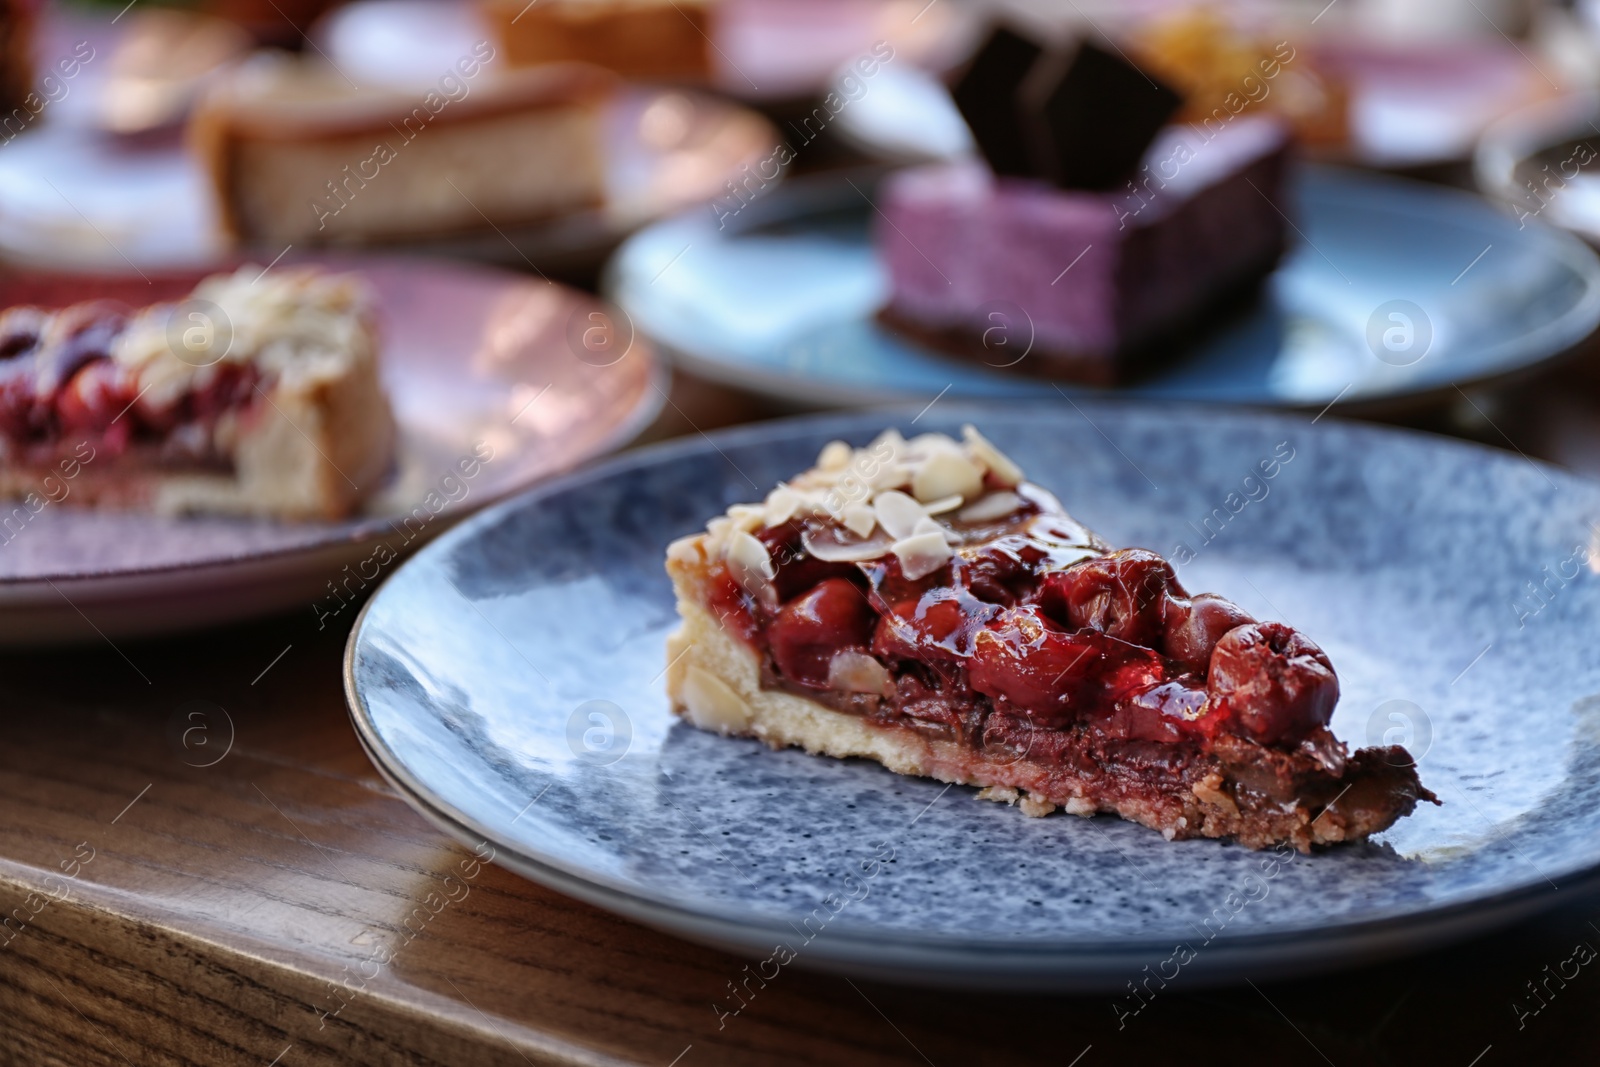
x,y
1018,627
806,632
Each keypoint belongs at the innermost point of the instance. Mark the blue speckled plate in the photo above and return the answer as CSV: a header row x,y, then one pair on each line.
x,y
508,680
781,296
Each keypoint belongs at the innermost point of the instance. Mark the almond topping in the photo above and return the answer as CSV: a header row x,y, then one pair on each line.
x,y
857,672
897,513
746,517
922,554
999,464
859,519
782,503
831,549
990,507
748,560
835,456
946,474
712,704
890,476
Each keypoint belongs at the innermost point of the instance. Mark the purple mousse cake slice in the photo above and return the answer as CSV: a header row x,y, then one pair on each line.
x,y
1090,285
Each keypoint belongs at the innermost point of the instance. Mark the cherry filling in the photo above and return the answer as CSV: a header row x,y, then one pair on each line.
x,y
68,384
1025,629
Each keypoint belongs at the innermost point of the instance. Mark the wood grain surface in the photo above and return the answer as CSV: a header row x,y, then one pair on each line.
x,y
199,866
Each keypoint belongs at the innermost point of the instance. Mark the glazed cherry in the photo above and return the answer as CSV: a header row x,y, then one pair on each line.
x,y
95,396
1003,571
87,333
938,627
1025,660
1194,626
798,570
1122,595
807,631
1272,682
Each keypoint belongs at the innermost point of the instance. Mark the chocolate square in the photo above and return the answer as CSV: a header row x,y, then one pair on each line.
x,y
1078,116
987,96
1089,116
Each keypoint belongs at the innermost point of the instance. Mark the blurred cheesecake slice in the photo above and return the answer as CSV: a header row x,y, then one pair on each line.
x,y
297,154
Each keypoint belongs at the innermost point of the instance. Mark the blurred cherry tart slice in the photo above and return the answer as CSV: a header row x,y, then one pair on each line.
x,y
256,395
918,603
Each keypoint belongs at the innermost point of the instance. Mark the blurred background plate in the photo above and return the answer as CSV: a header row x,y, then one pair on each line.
x,y
782,301
1418,102
508,680
769,52
1541,163
474,360
1407,102
72,199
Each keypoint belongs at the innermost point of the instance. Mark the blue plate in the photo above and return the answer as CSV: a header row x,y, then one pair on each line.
x,y
509,681
782,301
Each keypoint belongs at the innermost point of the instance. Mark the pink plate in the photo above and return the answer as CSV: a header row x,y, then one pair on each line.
x,y
480,365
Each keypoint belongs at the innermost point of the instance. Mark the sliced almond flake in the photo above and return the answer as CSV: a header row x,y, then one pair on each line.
x,y
811,502
998,463
849,490
832,550
947,474
748,560
835,456
717,531
859,519
746,517
782,503
939,507
891,476
890,437
927,444
992,506
897,513
856,672
922,554
711,703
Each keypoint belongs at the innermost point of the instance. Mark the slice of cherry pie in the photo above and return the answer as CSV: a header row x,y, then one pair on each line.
x,y
918,603
258,394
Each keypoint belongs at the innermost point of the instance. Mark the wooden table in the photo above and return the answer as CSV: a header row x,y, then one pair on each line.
x,y
180,899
